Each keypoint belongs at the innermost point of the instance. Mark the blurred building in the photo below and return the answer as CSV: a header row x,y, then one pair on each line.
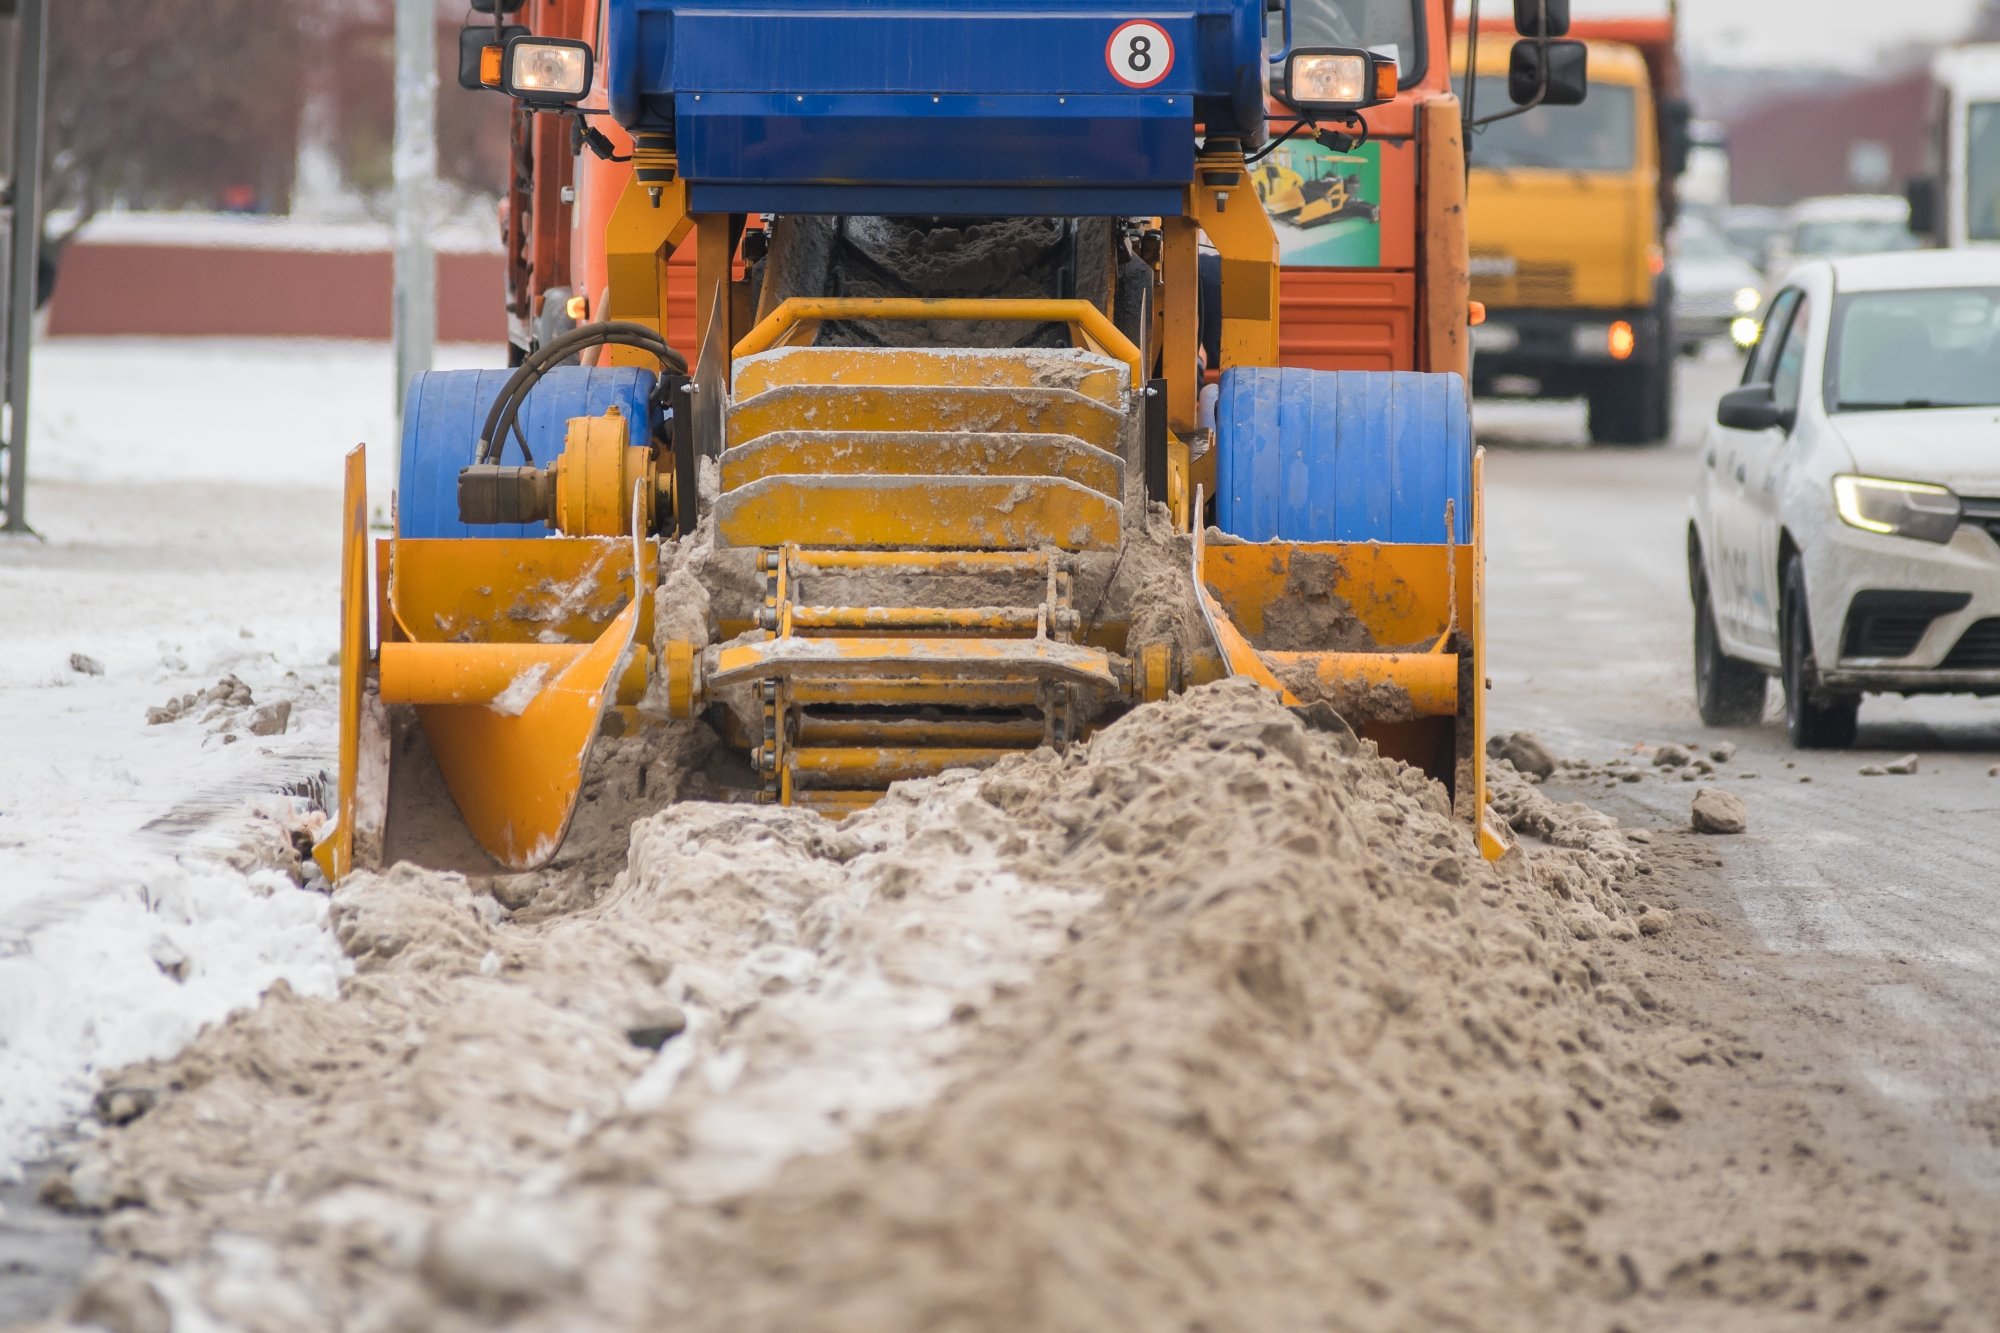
x,y
1852,137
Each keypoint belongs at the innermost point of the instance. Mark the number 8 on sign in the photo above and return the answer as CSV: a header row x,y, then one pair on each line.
x,y
1139,53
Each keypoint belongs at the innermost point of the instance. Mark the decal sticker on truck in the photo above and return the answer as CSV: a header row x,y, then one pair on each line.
x,y
1325,206
1139,53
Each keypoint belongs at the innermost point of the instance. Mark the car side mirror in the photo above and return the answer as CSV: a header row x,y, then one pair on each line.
x,y
1922,192
1555,72
1751,408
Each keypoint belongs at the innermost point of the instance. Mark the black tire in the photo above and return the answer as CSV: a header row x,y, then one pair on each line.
x,y
1728,693
1813,720
1632,405
1132,306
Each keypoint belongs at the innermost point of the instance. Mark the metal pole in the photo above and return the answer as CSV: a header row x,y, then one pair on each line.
x,y
30,71
416,188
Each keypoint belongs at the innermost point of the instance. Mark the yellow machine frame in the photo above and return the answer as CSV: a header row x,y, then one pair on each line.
x,y
515,652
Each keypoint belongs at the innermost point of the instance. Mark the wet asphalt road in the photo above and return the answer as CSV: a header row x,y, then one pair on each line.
x,y
1867,909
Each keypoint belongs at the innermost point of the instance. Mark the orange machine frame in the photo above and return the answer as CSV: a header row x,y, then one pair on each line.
x,y
1411,312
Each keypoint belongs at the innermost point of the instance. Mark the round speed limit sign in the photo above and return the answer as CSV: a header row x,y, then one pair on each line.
x,y
1139,53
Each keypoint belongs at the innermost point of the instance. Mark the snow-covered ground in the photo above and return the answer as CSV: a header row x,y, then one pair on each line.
x,y
237,231
188,495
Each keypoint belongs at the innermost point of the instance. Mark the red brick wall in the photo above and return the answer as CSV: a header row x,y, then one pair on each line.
x,y
115,289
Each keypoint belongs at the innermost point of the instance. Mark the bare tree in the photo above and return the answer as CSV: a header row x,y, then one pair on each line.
x,y
168,102
176,103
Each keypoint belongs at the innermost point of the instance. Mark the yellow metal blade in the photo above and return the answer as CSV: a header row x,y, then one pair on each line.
x,y
922,408
515,589
1237,653
334,852
516,778
1020,513
1095,377
917,453
797,318
516,773
909,659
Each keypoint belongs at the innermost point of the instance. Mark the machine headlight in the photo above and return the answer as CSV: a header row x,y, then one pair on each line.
x,y
1747,300
547,71
1338,78
1896,508
1744,331
1329,79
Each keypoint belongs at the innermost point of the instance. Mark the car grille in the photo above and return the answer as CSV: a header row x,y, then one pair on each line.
x,y
1983,513
1890,636
1705,305
1892,622
1528,285
1978,648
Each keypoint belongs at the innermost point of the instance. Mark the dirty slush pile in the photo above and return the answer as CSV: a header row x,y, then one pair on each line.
x,y
1218,1022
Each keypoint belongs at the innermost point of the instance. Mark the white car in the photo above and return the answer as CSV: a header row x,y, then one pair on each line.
x,y
1837,225
1715,290
1846,518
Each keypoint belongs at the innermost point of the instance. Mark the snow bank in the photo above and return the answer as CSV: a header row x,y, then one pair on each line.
x,y
234,412
188,495
1214,1022
240,231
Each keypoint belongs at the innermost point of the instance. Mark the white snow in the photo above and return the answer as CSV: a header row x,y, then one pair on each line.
x,y
521,691
235,411
256,231
189,497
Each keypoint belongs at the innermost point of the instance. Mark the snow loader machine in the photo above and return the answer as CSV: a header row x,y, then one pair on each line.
x,y
861,409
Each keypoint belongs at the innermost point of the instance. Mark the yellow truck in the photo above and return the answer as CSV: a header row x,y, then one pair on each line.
x,y
1568,209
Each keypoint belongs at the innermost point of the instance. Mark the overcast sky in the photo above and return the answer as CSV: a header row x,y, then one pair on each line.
x,y
1850,33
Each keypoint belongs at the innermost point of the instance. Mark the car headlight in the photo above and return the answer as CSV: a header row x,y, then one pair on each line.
x,y
1747,300
1744,331
1897,508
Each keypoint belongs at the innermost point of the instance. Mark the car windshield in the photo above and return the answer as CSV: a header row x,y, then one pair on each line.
x,y
1749,236
1600,135
1933,347
1850,236
1982,171
1701,243
1385,26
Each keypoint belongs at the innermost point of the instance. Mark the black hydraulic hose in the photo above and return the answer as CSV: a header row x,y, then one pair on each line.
x,y
506,407
1277,143
505,412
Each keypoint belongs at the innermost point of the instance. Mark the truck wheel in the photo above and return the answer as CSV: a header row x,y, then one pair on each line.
x,y
1728,693
1632,404
1811,725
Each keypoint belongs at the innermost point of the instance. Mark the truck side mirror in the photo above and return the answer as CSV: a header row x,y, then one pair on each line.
x,y
1676,135
1561,79
1750,408
1922,192
1541,18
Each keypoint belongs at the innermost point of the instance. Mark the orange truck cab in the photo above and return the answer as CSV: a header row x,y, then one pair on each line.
x,y
1373,239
